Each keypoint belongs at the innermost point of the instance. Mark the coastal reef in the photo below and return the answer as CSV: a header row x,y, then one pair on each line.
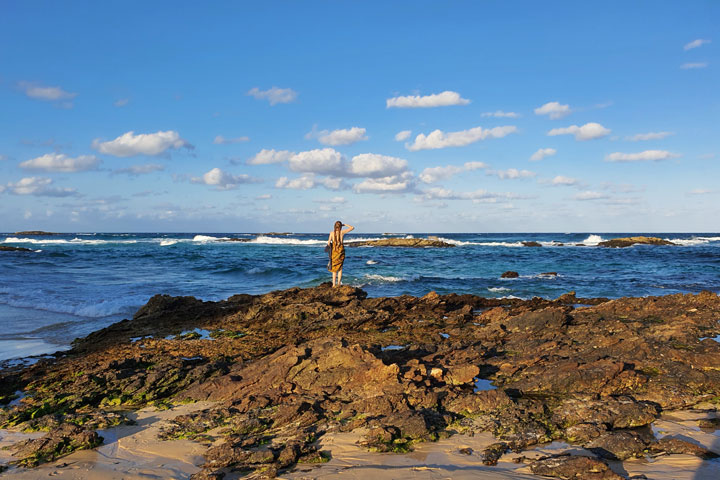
x,y
630,241
401,242
285,368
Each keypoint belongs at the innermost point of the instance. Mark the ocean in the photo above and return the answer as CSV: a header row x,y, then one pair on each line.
x,y
73,284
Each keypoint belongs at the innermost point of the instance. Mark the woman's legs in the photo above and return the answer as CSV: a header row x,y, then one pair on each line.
x,y
340,277
334,278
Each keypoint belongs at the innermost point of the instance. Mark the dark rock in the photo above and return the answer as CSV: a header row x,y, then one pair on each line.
x,y
671,445
5,248
630,241
35,233
493,452
59,442
531,244
574,467
619,445
510,274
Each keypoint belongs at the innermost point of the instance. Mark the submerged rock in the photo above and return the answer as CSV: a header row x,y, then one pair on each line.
x,y
5,248
630,241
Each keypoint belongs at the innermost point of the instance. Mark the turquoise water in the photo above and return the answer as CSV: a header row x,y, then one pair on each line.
x,y
75,283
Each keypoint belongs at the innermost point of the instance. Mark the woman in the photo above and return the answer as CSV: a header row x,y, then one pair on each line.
x,y
337,252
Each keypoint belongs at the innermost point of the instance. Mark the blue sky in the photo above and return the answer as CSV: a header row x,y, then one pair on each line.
x,y
477,116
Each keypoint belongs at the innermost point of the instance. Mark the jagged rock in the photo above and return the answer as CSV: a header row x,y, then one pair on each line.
x,y
630,241
671,445
510,274
531,244
400,242
59,442
574,467
492,453
619,445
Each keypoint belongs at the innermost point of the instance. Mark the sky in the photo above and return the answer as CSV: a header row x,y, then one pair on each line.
x,y
403,116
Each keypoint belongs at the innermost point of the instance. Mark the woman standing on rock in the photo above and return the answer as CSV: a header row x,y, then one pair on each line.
x,y
337,250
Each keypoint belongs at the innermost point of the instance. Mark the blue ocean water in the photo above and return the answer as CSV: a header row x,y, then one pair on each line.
x,y
73,284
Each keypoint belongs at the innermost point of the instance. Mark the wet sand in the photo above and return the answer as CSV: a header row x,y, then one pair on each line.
x,y
135,453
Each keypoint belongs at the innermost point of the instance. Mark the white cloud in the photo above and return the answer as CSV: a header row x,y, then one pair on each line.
x,y
649,136
332,183
701,191
500,114
3,157
434,174
589,131
695,44
561,180
326,161
542,153
693,65
589,195
392,184
375,165
440,139
38,186
301,183
222,180
443,99
59,162
129,144
265,157
476,196
554,110
647,155
264,196
140,169
274,95
402,136
346,136
220,140
512,174
121,102
39,92
337,200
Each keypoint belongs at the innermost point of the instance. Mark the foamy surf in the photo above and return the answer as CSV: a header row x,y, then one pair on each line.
x,y
593,240
74,241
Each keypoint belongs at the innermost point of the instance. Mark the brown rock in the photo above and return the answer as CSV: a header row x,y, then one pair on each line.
x,y
400,242
510,274
630,241
574,467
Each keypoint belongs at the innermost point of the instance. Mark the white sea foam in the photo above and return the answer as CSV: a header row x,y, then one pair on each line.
x,y
207,238
371,262
384,278
484,244
498,289
104,308
592,240
74,241
690,242
166,243
262,239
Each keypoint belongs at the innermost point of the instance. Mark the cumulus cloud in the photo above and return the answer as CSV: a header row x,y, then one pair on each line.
x,y
391,184
375,165
561,180
121,102
402,136
140,169
434,174
442,99
220,140
129,144
589,131
40,92
274,95
222,180
645,156
440,139
265,157
345,136
38,186
695,44
59,162
326,161
512,173
301,183
500,114
542,153
649,136
590,195
554,110
693,65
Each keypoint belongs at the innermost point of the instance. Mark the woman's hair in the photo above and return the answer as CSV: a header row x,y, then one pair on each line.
x,y
337,237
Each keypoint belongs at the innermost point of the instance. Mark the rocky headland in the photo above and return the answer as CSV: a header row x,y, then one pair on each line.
x,y
400,242
286,368
35,233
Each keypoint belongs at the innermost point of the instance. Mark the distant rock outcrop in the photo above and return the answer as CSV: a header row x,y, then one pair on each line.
x,y
510,274
401,242
35,232
531,244
630,241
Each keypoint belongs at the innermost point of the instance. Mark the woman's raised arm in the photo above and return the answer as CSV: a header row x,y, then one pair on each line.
x,y
349,229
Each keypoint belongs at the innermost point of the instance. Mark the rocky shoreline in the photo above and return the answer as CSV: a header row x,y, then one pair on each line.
x,y
286,368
